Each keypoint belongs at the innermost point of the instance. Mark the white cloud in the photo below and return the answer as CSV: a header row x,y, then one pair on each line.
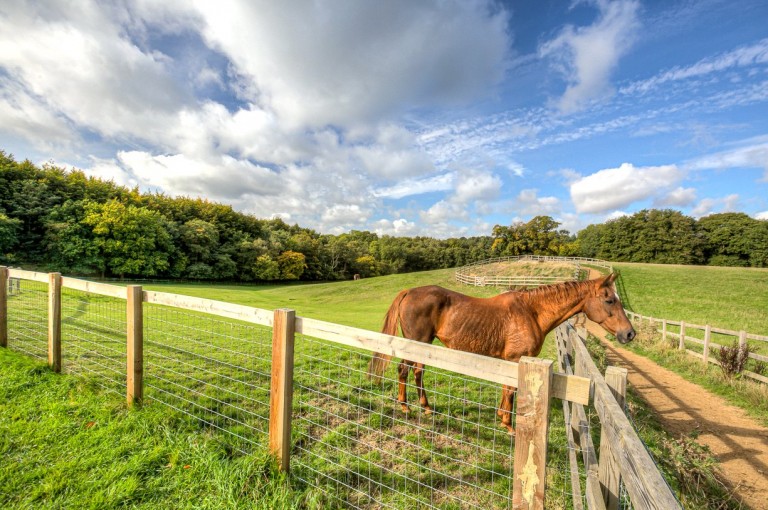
x,y
476,185
443,212
761,215
411,187
746,56
707,206
528,203
614,188
399,227
76,60
588,55
315,65
754,154
679,196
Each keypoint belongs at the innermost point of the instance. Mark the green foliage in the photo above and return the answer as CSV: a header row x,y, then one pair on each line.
x,y
9,229
539,236
132,240
669,237
68,222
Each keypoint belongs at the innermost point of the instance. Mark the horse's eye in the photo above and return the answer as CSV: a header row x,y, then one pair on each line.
x,y
610,302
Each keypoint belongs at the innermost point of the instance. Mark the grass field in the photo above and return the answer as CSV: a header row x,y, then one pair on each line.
x,y
725,297
198,353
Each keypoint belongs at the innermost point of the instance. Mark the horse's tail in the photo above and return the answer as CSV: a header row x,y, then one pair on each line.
x,y
379,362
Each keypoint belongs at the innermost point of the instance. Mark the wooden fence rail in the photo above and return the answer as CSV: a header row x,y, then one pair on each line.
x,y
683,336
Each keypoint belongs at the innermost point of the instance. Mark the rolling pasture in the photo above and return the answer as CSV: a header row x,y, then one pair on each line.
x,y
326,424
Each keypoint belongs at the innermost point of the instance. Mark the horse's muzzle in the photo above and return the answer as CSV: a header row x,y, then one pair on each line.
x,y
626,336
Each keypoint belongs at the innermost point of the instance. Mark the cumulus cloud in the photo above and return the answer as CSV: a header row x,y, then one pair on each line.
x,y
315,65
528,203
761,215
707,206
614,188
586,56
476,185
679,196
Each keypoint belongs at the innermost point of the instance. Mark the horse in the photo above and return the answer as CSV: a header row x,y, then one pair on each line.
x,y
507,326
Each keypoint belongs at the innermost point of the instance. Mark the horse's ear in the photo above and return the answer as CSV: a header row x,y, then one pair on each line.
x,y
609,280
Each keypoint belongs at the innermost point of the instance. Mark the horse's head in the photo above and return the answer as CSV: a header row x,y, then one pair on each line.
x,y
604,307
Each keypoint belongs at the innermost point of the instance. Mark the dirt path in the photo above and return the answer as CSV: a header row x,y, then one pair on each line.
x,y
738,442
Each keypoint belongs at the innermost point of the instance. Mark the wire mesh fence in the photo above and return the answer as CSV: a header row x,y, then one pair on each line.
x,y
93,328
214,369
28,307
352,446
356,448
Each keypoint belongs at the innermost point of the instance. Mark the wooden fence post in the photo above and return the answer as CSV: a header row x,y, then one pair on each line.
x,y
681,346
742,338
3,306
610,478
54,321
134,317
664,330
532,424
707,338
281,392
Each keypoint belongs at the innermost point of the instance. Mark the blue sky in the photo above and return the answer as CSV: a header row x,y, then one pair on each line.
x,y
439,118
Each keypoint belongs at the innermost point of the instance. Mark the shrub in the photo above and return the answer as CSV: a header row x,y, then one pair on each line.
x,y
733,359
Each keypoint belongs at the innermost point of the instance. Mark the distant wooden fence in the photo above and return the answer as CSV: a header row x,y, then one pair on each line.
x,y
467,274
683,335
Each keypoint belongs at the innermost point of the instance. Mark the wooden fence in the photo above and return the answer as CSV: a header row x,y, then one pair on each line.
x,y
622,455
467,274
683,334
623,458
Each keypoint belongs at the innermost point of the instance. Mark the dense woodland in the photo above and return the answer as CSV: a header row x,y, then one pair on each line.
x,y
56,219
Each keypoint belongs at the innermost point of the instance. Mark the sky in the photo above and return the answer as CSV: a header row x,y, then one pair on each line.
x,y
437,118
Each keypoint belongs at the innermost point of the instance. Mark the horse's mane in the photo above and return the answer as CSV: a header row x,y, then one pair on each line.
x,y
556,289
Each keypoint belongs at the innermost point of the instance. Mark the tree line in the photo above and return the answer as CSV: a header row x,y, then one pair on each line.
x,y
62,220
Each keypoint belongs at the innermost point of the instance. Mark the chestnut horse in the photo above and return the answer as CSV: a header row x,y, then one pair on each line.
x,y
507,326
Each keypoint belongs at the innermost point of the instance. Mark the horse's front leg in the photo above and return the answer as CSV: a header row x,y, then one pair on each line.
x,y
505,408
402,371
418,374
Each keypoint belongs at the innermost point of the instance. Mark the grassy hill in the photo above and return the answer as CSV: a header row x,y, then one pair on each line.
x,y
726,297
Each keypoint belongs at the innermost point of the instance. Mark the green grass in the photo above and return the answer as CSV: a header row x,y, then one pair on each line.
x,y
724,297
67,443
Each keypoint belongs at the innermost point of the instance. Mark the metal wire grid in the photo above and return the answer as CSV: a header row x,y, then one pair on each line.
x,y
355,448
215,370
93,331
28,318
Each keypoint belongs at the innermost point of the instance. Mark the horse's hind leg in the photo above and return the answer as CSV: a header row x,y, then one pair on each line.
x,y
418,373
402,371
505,407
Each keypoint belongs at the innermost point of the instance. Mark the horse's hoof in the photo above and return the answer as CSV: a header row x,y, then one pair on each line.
x,y
427,410
405,408
509,428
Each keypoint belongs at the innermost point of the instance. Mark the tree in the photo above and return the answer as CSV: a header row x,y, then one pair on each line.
x,y
9,229
131,240
735,239
291,265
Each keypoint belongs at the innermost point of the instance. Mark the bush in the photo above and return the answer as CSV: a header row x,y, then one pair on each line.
x,y
733,359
